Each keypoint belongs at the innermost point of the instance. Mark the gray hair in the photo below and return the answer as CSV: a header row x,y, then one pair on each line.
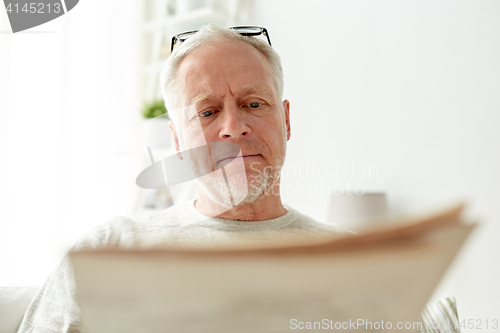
x,y
210,34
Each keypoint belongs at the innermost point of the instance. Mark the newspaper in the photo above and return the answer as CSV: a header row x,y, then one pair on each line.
x,y
359,282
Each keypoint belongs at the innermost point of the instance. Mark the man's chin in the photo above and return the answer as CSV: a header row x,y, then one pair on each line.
x,y
239,189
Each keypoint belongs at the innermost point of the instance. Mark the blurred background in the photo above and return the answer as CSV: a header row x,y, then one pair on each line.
x,y
391,97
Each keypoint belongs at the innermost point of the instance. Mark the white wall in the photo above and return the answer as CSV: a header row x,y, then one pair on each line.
x,y
412,89
66,99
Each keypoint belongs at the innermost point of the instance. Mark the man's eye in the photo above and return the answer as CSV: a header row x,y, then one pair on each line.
x,y
254,105
206,114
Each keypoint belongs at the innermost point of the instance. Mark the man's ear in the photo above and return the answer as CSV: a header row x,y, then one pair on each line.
x,y
286,107
176,139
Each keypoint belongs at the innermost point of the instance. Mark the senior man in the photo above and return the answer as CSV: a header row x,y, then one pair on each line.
x,y
222,86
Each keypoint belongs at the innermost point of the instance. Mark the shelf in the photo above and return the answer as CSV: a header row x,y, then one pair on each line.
x,y
157,27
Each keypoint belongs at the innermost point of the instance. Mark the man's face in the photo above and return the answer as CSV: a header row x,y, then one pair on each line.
x,y
230,96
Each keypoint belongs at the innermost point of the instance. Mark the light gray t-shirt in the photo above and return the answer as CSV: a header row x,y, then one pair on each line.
x,y
55,309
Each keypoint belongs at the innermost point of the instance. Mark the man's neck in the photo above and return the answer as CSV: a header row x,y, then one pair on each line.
x,y
264,208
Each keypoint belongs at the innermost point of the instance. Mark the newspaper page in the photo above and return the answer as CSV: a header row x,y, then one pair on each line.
x,y
366,282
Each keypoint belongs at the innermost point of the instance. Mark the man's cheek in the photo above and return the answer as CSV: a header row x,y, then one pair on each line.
x,y
194,138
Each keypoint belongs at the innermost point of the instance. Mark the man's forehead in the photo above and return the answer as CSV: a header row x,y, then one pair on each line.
x,y
224,54
207,72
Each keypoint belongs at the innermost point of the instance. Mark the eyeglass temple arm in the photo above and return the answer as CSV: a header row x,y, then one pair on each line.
x,y
175,38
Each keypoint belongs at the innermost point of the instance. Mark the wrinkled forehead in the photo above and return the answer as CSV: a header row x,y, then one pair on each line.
x,y
213,68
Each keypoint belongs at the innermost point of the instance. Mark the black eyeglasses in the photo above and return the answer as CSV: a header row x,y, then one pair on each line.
x,y
243,30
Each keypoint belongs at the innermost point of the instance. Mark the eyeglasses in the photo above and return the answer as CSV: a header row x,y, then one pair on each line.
x,y
243,30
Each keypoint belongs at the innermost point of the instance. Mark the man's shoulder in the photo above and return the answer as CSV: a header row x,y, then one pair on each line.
x,y
124,231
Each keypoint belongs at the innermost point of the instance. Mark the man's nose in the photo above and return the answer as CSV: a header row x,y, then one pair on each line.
x,y
234,123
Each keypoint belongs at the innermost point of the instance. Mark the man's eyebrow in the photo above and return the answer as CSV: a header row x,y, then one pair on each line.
x,y
256,89
249,90
200,98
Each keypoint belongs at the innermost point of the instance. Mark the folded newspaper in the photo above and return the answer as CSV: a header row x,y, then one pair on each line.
x,y
376,281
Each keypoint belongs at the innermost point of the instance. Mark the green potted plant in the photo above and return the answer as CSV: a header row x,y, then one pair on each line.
x,y
156,128
154,109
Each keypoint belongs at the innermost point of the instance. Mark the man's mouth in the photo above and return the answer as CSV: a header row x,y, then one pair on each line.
x,y
245,157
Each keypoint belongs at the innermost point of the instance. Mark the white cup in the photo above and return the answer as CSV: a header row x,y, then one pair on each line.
x,y
355,212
